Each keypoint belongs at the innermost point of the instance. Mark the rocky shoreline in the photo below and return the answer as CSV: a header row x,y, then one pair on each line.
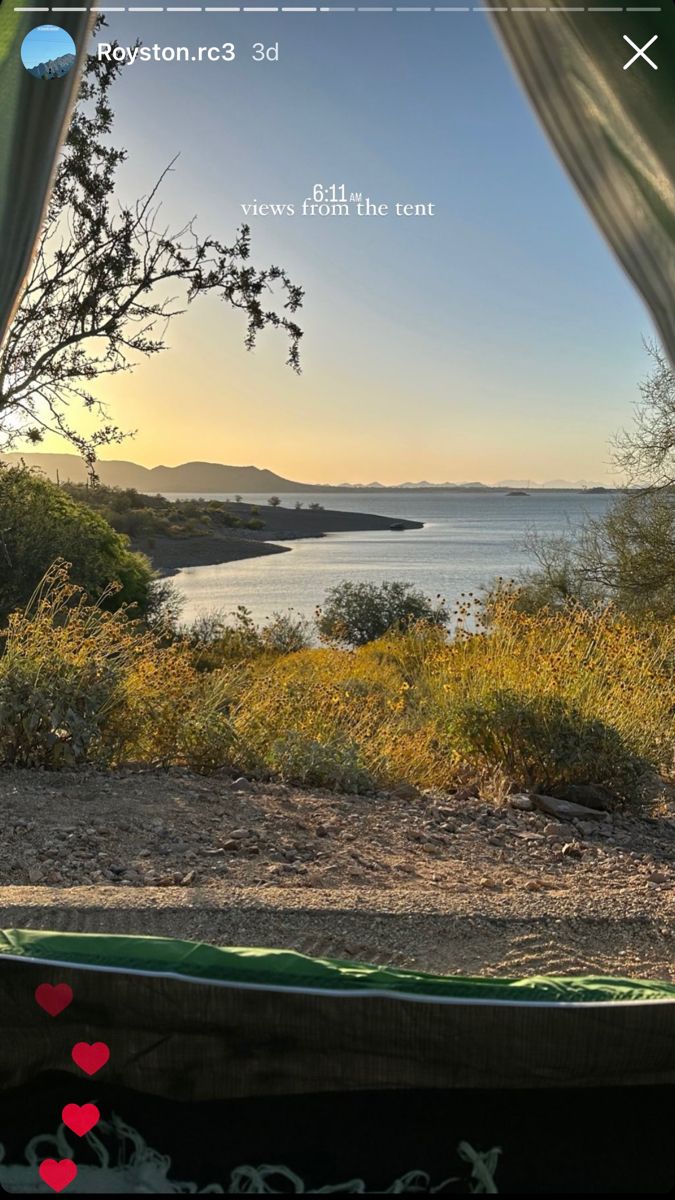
x,y
171,554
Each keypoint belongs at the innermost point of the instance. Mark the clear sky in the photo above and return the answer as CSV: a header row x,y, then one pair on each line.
x,y
497,339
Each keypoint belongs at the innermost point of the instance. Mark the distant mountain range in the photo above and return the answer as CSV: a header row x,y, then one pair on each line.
x,y
202,477
205,478
54,68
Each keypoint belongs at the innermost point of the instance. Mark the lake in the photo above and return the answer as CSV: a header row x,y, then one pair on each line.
x,y
469,538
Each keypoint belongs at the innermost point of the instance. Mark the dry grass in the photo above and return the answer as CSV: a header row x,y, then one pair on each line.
x,y
533,701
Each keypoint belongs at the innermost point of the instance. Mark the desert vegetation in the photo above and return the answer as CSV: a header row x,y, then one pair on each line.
x,y
531,701
141,516
566,678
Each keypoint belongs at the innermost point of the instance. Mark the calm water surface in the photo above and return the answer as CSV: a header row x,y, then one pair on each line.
x,y
469,538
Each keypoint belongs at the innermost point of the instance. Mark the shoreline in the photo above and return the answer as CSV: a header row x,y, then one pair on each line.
x,y
169,555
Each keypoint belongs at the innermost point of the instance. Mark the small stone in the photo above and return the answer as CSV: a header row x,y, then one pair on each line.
x,y
188,879
241,785
522,802
658,877
35,874
239,833
572,849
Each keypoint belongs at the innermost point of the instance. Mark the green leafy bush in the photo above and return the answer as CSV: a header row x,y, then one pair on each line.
x,y
543,742
40,523
354,614
296,758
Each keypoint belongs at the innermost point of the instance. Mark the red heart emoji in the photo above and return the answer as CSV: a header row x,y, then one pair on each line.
x,y
80,1117
54,997
57,1175
90,1057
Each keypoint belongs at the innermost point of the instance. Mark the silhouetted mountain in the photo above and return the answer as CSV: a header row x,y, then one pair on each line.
x,y
54,68
200,477
203,478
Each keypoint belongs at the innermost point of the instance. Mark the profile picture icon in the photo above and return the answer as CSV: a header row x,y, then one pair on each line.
x,y
48,52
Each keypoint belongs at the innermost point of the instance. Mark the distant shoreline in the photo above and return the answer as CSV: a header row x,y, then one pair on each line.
x,y
171,554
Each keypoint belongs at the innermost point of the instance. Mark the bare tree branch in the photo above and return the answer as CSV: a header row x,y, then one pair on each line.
x,y
109,278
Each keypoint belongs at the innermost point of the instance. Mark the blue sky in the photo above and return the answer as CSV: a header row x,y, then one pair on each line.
x,y
45,43
497,339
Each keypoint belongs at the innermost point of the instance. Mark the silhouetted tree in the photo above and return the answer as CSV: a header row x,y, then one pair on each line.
x,y
108,278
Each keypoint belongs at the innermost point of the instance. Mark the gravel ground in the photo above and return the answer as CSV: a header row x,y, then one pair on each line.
x,y
444,883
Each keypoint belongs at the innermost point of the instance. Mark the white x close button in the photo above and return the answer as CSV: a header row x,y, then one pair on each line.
x,y
640,52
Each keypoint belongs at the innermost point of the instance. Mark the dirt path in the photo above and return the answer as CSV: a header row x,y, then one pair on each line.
x,y
471,938
447,884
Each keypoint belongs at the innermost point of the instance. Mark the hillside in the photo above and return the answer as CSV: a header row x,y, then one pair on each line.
x,y
206,478
200,477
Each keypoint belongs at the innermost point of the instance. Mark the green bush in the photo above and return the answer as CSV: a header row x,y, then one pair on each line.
x,y
40,523
544,742
285,633
296,758
354,614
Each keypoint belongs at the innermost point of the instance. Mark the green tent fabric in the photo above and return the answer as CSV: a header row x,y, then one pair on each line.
x,y
612,127
447,1031
245,1069
34,116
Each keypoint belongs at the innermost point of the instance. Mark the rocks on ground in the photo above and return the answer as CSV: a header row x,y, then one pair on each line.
x,y
136,828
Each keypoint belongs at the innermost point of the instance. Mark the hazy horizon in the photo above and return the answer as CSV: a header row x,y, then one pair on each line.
x,y
120,457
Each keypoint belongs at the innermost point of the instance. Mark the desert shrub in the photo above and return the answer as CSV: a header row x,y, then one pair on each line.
x,y
305,761
60,672
221,638
285,633
537,700
39,523
581,693
81,684
356,613
254,523
541,742
168,712
217,638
